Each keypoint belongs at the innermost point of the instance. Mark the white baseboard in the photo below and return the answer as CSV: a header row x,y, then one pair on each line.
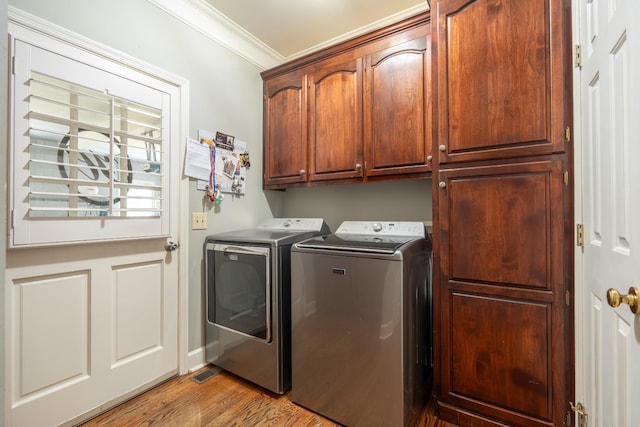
x,y
196,359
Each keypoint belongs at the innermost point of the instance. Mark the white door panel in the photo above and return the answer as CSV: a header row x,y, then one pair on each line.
x,y
86,332
608,342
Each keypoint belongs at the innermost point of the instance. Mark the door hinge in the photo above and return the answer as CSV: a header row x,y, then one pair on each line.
x,y
567,134
580,235
578,56
582,413
565,176
567,298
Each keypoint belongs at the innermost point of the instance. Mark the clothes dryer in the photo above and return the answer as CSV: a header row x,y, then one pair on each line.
x,y
248,299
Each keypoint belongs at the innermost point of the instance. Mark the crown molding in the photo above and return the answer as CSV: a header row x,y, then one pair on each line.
x,y
200,16
389,20
204,18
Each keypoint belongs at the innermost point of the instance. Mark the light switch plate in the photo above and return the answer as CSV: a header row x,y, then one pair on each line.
x,y
198,221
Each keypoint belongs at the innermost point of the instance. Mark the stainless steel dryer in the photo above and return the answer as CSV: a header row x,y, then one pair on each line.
x,y
361,323
248,299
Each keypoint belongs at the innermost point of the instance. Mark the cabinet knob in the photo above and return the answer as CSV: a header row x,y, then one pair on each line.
x,y
302,172
442,184
429,158
358,166
442,148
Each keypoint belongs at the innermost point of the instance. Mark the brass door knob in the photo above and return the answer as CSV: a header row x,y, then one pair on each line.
x,y
614,298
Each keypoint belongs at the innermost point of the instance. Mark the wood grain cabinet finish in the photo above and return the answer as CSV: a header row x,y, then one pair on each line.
x,y
359,111
502,289
503,212
397,105
335,120
285,130
500,79
502,250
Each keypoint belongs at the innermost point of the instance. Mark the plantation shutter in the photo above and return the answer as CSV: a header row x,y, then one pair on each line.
x,y
89,150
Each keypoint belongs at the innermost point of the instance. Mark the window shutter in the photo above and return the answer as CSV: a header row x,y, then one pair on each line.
x,y
89,152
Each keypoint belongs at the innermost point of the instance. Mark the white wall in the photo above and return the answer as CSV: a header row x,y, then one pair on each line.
x,y
378,201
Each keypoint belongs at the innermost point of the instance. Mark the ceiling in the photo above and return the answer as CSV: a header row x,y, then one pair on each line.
x,y
292,28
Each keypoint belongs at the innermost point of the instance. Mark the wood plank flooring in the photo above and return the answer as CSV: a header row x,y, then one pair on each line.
x,y
222,400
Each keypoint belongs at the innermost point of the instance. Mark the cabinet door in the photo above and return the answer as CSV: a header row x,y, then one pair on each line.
x,y
500,74
501,297
285,130
335,120
397,124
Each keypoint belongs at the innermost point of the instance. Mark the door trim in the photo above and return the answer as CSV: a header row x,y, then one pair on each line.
x,y
579,385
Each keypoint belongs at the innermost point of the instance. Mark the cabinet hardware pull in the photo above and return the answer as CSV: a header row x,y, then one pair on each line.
x,y
302,172
429,158
442,148
442,184
358,166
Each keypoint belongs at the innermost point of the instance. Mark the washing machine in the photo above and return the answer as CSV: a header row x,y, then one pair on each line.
x,y
248,299
361,323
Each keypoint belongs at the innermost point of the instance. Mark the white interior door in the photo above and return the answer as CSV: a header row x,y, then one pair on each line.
x,y
608,339
93,321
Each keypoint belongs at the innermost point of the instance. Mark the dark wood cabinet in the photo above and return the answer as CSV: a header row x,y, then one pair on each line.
x,y
501,294
335,120
364,111
503,212
498,66
285,130
397,105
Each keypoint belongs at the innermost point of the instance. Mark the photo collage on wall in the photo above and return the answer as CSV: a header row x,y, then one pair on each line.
x,y
231,161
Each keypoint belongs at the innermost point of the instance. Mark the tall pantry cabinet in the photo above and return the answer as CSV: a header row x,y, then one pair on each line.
x,y
503,213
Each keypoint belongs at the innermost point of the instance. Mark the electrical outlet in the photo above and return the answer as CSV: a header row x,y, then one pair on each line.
x,y
198,221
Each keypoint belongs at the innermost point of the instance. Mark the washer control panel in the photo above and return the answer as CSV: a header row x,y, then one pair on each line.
x,y
383,228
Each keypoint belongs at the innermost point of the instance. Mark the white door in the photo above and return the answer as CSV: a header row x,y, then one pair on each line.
x,y
607,338
94,320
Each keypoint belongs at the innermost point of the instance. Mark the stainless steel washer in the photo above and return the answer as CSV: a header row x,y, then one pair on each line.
x,y
361,323
248,297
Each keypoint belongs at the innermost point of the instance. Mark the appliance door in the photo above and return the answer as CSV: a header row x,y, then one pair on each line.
x,y
239,297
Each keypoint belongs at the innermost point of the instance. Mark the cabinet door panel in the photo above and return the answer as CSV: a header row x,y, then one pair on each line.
x,y
335,121
502,286
501,225
398,109
500,95
285,142
500,353
483,246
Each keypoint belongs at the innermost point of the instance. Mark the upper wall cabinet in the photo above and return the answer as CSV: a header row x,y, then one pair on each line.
x,y
357,111
285,129
397,105
335,120
499,79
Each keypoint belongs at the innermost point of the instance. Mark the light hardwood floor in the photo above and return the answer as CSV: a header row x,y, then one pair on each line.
x,y
222,400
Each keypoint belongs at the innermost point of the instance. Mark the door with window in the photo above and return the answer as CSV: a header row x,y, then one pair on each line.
x,y
608,338
92,293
